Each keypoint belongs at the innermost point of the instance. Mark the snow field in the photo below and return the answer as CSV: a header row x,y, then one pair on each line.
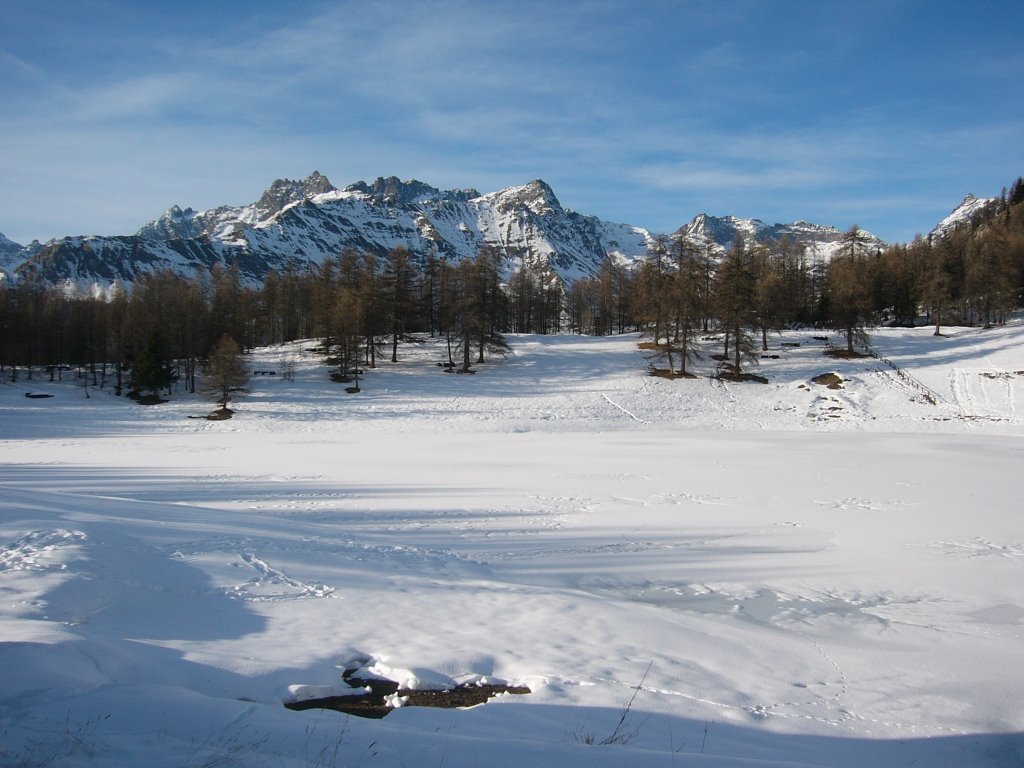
x,y
794,585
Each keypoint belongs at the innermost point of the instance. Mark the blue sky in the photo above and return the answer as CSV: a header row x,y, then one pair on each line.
x,y
883,114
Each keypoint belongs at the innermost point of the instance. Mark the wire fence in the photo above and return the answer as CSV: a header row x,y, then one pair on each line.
x,y
929,395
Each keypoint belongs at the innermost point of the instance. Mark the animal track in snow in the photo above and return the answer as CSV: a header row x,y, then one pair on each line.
x,y
977,547
864,505
38,550
270,584
690,498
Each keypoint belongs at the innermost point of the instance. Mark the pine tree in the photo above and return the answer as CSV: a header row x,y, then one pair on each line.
x,y
153,369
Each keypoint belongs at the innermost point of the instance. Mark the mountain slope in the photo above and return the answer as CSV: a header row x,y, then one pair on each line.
x,y
969,207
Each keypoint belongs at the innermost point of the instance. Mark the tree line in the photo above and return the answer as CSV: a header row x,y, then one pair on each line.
x,y
164,328
972,275
362,306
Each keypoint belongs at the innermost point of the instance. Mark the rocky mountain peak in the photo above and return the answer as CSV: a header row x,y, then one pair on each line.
x,y
961,215
173,223
722,230
536,196
393,191
283,192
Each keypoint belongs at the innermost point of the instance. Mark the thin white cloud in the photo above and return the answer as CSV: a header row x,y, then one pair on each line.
x,y
144,96
16,65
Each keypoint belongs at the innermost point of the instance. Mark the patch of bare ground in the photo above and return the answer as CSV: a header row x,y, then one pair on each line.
x,y
844,354
664,373
376,703
741,377
830,380
1001,374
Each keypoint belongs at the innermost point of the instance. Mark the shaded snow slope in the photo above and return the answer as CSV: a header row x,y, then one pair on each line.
x,y
797,575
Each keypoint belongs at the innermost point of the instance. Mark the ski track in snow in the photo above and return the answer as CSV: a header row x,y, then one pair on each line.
x,y
985,393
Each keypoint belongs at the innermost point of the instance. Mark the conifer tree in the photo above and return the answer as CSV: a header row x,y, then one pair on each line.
x,y
153,369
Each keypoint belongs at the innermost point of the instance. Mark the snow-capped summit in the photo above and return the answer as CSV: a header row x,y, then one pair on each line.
x,y
536,196
960,215
719,233
284,192
394,191
228,222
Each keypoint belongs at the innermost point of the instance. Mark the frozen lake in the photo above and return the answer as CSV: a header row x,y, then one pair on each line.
x,y
798,575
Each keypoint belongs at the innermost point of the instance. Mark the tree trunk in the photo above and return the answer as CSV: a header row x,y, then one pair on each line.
x,y
684,345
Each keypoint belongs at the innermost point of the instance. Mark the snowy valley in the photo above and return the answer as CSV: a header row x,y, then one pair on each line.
x,y
698,572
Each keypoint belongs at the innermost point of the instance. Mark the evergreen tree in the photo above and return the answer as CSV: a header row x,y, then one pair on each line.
x,y
153,369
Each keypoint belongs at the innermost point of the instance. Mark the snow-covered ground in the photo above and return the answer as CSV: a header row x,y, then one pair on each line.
x,y
796,575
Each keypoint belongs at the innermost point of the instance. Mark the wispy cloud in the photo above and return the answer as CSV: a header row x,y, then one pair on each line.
x,y
145,96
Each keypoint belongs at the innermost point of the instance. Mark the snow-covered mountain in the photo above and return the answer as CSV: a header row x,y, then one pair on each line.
x,y
818,241
298,223
962,214
295,223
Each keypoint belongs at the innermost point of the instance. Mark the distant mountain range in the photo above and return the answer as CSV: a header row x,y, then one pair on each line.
x,y
296,223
